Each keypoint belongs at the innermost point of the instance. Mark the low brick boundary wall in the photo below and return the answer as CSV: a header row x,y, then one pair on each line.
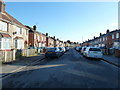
x,y
12,55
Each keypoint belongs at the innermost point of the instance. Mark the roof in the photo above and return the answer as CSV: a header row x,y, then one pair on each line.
x,y
8,17
5,35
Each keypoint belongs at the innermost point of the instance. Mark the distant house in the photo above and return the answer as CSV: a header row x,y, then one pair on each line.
x,y
115,39
43,40
50,41
13,34
36,39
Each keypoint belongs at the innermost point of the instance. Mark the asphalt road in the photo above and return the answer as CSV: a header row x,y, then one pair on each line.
x,y
69,71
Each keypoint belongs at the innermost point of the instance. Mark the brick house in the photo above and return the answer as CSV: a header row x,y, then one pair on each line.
x,y
50,42
35,37
102,40
43,40
116,39
57,42
13,34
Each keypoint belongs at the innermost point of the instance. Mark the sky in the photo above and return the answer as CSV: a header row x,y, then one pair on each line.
x,y
74,21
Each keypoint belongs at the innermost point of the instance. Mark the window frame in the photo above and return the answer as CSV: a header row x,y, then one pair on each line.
x,y
5,43
3,27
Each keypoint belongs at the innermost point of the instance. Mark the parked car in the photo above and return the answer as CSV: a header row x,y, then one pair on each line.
x,y
64,49
93,52
67,48
52,52
77,48
61,50
82,50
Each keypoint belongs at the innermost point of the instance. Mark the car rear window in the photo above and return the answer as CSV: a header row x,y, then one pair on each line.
x,y
95,49
51,49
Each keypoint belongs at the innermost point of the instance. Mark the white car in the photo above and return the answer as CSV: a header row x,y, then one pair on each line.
x,y
93,52
63,49
83,49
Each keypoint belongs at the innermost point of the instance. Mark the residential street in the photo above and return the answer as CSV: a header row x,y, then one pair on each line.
x,y
71,70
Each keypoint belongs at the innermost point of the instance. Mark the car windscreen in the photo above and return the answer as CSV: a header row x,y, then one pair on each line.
x,y
51,49
95,49
60,48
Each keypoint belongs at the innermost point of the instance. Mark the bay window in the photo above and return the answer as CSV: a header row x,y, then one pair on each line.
x,y
5,43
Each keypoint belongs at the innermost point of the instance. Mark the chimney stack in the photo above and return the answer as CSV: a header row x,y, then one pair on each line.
x,y
100,34
34,27
46,34
107,31
2,6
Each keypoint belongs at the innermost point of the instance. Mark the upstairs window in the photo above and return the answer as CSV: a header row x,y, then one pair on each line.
x,y
18,30
26,32
117,35
3,26
112,36
106,38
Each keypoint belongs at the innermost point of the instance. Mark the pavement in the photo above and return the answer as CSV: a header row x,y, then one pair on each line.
x,y
112,59
19,64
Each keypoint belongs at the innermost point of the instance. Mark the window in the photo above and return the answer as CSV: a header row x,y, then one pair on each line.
x,y
106,38
103,39
117,35
42,38
26,32
3,26
95,49
18,30
112,36
34,36
5,43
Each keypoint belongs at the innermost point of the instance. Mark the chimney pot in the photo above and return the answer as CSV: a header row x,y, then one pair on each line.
x,y
34,27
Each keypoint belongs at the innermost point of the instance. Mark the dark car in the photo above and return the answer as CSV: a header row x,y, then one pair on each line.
x,y
61,50
52,52
67,48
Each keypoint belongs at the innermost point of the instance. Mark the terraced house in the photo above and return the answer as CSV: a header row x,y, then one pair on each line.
x,y
13,34
36,39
